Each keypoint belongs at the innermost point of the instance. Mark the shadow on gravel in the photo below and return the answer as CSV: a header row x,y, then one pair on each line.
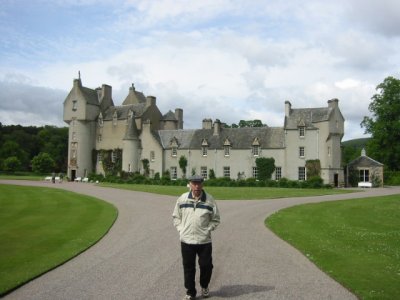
x,y
229,291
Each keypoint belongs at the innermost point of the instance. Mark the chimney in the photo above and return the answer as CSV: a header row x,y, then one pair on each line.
x,y
207,123
288,108
333,103
179,117
150,100
106,91
217,127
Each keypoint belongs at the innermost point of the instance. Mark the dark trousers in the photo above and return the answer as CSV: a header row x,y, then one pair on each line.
x,y
189,252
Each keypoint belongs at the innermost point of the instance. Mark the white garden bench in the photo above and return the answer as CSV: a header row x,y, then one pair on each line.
x,y
365,184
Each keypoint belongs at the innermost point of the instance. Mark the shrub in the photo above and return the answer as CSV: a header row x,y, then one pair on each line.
x,y
315,182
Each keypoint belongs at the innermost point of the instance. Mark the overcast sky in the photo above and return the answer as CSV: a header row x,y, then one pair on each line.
x,y
222,59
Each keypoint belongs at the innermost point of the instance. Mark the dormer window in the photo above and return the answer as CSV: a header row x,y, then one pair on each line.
x,y
174,151
256,150
204,150
227,147
115,118
204,147
174,146
302,131
74,105
255,147
101,122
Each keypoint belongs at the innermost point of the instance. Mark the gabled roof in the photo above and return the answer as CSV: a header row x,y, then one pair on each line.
x,y
365,161
90,95
134,97
306,117
169,116
131,130
239,138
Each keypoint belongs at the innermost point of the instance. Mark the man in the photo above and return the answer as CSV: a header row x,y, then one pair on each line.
x,y
195,216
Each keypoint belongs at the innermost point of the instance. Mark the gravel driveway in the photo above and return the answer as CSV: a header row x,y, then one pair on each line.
x,y
140,257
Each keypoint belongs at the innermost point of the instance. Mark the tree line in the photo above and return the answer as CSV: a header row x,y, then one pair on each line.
x,y
33,149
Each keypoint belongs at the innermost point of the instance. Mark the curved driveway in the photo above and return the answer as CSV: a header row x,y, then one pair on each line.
x,y
140,257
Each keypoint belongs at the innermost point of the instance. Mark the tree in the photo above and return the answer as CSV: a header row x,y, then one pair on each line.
x,y
11,164
183,165
43,163
265,166
251,123
13,149
384,125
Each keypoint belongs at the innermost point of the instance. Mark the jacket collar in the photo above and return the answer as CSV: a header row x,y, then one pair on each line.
x,y
202,198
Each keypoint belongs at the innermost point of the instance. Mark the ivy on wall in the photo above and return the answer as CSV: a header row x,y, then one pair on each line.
x,y
110,167
313,167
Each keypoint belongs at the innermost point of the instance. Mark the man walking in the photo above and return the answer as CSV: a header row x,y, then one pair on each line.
x,y
195,216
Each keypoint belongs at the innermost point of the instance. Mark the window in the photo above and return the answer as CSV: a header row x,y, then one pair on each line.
x,y
301,151
255,150
174,151
204,150
74,136
302,131
227,172
226,150
99,138
329,151
278,173
302,173
174,174
99,157
364,175
227,146
74,105
203,172
255,172
113,156
129,168
152,156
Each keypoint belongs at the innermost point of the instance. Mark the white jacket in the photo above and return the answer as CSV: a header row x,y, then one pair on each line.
x,y
195,220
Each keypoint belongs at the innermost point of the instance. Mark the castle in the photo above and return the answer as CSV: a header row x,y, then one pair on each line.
x,y
137,131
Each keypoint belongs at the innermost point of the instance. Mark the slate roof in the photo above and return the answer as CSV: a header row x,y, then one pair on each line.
x,y
365,161
131,130
306,117
239,138
134,97
123,110
90,96
169,116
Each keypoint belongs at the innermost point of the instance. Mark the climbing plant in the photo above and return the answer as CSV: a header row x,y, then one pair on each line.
x,y
111,166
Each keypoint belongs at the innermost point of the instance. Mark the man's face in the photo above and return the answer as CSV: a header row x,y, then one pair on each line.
x,y
196,187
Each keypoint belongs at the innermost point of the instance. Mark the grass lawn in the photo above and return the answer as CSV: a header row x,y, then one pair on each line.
x,y
233,193
24,176
357,242
41,228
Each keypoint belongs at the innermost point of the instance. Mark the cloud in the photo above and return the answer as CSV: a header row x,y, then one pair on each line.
x,y
226,59
27,105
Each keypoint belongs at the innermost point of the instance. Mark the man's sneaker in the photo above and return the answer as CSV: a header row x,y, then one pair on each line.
x,y
188,297
205,292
